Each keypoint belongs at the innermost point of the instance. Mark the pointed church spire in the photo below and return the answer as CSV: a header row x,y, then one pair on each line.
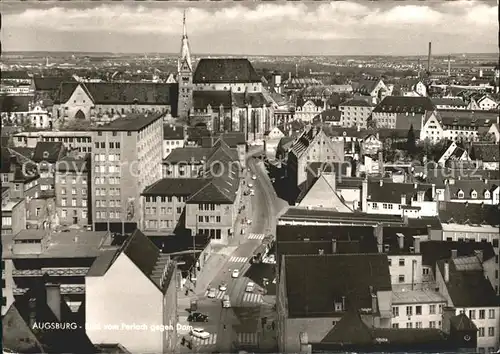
x,y
185,51
184,29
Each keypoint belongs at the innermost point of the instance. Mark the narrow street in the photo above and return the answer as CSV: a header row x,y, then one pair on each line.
x,y
239,327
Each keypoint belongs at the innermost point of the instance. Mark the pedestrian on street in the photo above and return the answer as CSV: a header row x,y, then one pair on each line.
x,y
224,327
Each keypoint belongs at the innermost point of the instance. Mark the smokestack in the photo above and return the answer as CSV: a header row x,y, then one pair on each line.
x,y
296,70
429,58
416,244
449,66
364,195
401,240
446,272
54,299
290,76
374,302
334,246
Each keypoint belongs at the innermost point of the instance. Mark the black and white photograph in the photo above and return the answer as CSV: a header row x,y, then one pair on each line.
x,y
250,177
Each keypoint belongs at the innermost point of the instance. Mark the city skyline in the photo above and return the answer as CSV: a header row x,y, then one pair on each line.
x,y
336,28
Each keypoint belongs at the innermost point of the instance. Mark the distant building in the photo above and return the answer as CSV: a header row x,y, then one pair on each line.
x,y
355,113
73,191
400,112
174,137
65,256
126,158
105,101
153,298
78,140
362,286
15,109
372,90
449,103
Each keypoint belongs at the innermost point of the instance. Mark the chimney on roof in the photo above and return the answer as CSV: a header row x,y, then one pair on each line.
x,y
401,240
378,233
433,193
334,245
374,301
485,181
54,299
446,271
415,185
454,254
364,195
290,76
479,255
403,199
416,244
13,164
381,163
381,182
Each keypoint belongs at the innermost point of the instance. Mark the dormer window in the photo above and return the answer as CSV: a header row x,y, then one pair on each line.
x,y
460,194
487,195
473,194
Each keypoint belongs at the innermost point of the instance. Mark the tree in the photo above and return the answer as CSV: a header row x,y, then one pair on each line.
x,y
411,146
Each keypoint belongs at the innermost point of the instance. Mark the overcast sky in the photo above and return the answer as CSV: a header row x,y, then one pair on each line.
x,y
296,28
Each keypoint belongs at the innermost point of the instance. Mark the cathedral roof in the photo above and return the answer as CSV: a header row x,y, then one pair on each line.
x,y
225,71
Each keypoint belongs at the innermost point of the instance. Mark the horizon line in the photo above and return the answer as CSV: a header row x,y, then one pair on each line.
x,y
250,55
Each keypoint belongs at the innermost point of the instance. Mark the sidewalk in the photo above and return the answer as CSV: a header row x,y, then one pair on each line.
x,y
267,335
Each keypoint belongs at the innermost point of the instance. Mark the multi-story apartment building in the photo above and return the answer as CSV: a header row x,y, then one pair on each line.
x,y
406,199
153,298
401,112
126,158
449,103
370,90
417,309
457,125
468,222
174,137
13,214
355,113
463,283
313,145
46,155
64,256
72,191
205,202
72,140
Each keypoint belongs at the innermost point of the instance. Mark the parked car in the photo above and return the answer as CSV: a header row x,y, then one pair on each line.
x,y
236,273
226,303
200,333
250,287
223,287
254,177
197,317
252,192
249,221
212,293
250,185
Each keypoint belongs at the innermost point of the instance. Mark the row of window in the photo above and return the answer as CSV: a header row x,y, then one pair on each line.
x,y
418,324
68,139
163,210
115,133
74,179
481,314
168,199
112,145
418,310
209,219
104,215
74,191
481,332
111,180
64,213
208,207
73,202
482,350
103,192
173,142
107,157
105,203
212,233
107,169
6,221
386,206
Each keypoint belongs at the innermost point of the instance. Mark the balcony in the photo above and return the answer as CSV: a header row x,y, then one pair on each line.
x,y
55,272
66,289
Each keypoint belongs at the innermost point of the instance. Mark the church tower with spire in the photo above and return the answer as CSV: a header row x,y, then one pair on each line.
x,y
185,75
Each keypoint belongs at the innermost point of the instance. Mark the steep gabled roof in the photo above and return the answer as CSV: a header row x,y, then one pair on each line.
x,y
146,256
48,151
51,83
214,99
225,71
123,93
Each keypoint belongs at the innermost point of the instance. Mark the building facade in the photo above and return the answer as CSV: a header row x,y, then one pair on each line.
x,y
126,158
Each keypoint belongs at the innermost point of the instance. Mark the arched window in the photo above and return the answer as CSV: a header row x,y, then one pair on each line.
x,y
80,114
